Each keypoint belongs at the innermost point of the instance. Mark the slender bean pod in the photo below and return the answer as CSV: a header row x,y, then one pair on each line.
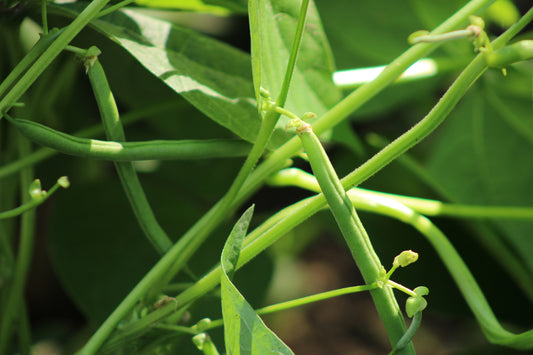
x,y
354,233
129,151
128,176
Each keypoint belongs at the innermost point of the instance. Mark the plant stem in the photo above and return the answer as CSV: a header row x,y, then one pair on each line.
x,y
295,49
436,116
50,54
115,7
272,164
354,233
27,60
282,306
44,16
427,207
29,205
15,297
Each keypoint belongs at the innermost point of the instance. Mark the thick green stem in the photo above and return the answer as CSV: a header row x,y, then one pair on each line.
x,y
354,234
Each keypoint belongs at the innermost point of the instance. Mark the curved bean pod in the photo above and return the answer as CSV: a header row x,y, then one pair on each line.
x,y
129,151
126,171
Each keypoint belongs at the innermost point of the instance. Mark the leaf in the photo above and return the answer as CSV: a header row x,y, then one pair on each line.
x,y
272,26
194,5
212,76
482,155
244,331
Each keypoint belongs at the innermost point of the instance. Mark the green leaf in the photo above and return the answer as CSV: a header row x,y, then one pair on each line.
x,y
244,331
235,5
482,155
194,5
212,76
272,26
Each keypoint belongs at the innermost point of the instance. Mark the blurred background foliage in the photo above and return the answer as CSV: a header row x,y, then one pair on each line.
x,y
90,252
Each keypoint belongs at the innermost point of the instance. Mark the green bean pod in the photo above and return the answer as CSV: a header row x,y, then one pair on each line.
x,y
353,232
128,176
516,52
129,151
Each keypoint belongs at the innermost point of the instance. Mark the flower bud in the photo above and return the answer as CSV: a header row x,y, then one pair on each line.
x,y
405,258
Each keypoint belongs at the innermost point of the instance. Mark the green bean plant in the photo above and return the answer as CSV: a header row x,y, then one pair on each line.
x,y
170,124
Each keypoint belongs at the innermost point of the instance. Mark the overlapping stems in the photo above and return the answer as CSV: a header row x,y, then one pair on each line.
x,y
287,219
294,215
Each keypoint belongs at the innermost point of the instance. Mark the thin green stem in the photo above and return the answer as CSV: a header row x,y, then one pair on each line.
x,y
449,36
295,49
115,7
176,328
518,272
408,335
401,287
436,116
313,205
28,59
24,333
15,298
300,178
29,205
283,306
44,16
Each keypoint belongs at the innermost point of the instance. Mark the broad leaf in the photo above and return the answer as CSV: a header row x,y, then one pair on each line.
x,y
272,26
212,76
483,154
244,331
